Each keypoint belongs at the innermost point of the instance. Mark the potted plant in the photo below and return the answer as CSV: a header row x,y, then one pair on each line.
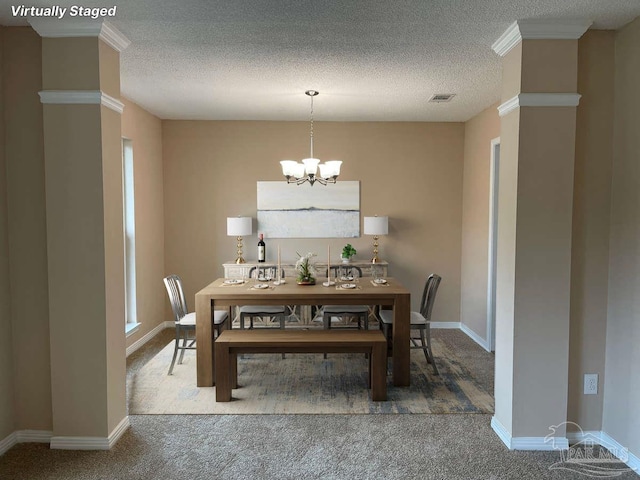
x,y
305,269
347,252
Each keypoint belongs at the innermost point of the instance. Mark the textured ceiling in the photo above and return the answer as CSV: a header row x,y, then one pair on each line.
x,y
370,60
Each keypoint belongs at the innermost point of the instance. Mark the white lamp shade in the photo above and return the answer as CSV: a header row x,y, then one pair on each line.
x,y
333,167
288,167
298,170
311,165
376,225
239,226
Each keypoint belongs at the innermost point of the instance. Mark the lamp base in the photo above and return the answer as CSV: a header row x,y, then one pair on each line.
x,y
375,260
240,260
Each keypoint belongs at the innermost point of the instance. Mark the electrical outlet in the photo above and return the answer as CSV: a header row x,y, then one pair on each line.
x,y
590,383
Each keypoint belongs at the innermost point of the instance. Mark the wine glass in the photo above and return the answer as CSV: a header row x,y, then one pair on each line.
x,y
376,271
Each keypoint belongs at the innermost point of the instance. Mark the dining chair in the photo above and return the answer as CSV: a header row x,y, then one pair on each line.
x,y
185,322
360,312
263,311
420,321
345,312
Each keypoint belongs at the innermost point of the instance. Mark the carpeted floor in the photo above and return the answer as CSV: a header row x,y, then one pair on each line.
x,y
255,447
308,384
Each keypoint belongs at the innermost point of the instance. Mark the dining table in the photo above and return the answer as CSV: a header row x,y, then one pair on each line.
x,y
228,294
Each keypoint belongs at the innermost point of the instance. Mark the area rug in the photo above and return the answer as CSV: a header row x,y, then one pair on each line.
x,y
307,383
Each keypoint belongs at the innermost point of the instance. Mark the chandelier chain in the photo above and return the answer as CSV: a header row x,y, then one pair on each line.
x,y
311,131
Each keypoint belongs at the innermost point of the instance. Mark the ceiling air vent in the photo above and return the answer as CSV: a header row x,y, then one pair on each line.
x,y
442,97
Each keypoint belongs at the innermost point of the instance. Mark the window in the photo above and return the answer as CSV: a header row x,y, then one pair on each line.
x,y
131,322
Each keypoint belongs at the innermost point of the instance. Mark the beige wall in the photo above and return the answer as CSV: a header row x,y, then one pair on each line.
x,y
479,131
621,416
540,57
113,208
145,132
591,212
7,412
411,172
534,249
27,228
542,267
85,249
505,269
66,72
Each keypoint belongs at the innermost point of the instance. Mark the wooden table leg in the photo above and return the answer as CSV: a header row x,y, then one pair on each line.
x,y
401,340
233,363
378,368
223,373
204,341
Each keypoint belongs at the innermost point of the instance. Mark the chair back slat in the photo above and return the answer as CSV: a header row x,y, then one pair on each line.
x,y
265,272
429,295
173,283
350,270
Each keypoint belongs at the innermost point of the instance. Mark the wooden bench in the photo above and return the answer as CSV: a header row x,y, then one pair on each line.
x,y
230,343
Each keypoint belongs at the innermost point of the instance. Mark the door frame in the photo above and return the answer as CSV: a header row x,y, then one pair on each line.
x,y
494,168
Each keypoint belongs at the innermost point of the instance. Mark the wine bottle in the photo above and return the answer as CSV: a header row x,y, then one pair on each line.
x,y
261,249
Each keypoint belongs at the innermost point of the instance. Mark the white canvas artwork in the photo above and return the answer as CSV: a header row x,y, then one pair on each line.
x,y
305,211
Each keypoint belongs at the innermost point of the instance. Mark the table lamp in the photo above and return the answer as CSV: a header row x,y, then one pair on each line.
x,y
376,226
237,227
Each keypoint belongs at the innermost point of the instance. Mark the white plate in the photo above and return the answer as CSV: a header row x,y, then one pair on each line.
x,y
348,285
346,279
261,285
263,279
380,280
232,281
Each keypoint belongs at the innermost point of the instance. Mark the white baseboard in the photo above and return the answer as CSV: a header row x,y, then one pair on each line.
x,y
141,341
527,443
8,442
120,428
577,437
461,326
605,440
90,443
631,460
445,325
475,337
539,443
24,436
503,433
34,436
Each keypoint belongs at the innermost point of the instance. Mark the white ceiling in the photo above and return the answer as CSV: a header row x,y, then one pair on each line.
x,y
371,60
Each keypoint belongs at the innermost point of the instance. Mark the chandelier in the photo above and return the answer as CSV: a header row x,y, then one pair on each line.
x,y
307,171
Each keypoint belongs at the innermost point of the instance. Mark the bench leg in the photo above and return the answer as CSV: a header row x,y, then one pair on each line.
x,y
378,362
223,373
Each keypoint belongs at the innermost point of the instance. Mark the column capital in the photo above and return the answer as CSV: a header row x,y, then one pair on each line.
x,y
80,97
66,28
539,29
539,100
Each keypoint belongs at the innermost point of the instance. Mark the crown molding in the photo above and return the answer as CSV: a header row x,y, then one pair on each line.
x,y
111,103
539,100
113,37
539,30
80,97
73,27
